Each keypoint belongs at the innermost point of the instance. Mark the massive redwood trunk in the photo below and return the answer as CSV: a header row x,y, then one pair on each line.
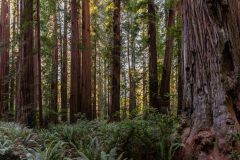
x,y
4,58
210,74
75,98
115,86
86,87
167,66
25,108
153,74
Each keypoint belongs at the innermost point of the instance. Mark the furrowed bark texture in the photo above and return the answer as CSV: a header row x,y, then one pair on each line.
x,y
167,66
210,75
26,111
115,86
75,98
153,73
37,65
86,61
4,58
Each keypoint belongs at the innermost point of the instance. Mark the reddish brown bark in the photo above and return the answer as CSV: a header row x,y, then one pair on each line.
x,y
75,98
210,70
86,86
167,66
64,73
4,59
114,110
25,108
37,65
153,74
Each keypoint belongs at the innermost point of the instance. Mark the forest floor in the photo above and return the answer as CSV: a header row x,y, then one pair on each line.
x,y
139,138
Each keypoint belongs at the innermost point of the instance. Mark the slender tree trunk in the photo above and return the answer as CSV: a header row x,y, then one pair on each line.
x,y
54,86
64,73
17,89
115,88
13,58
26,110
131,67
106,104
210,70
179,48
100,88
124,114
167,66
94,101
86,61
144,85
75,98
37,65
153,74
4,59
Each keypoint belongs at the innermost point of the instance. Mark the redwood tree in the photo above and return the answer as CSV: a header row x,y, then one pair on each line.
x,y
166,73
4,58
37,64
86,86
75,98
153,74
210,75
54,84
25,108
64,73
114,110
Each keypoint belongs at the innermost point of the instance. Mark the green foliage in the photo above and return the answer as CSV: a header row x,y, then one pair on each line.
x,y
235,155
137,138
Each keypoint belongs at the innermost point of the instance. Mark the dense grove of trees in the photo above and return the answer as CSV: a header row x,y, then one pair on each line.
x,y
62,60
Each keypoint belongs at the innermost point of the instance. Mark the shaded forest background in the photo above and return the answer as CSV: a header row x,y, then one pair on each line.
x,y
72,57
162,74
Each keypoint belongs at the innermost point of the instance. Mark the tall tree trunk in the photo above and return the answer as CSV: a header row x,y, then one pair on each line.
x,y
144,85
37,65
75,98
153,74
210,70
105,98
54,86
13,57
86,87
131,67
100,88
115,88
4,59
179,51
94,87
26,110
133,102
64,73
167,66
124,114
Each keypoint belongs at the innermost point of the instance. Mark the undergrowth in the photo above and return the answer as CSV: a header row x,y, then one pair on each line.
x,y
153,138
